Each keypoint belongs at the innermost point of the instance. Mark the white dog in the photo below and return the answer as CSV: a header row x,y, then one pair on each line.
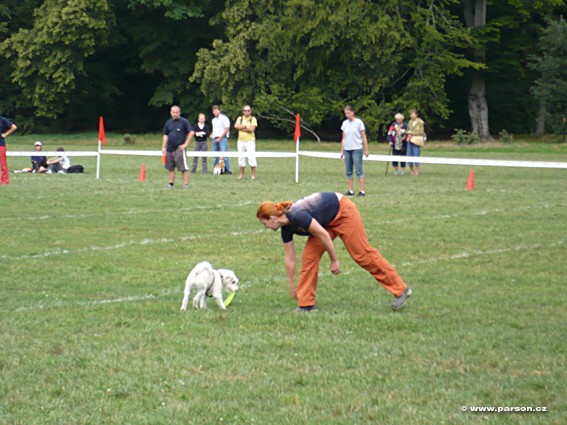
x,y
208,281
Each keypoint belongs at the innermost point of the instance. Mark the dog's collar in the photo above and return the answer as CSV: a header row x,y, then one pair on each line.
x,y
216,272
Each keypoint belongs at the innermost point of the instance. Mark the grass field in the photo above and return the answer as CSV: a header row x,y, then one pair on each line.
x,y
92,274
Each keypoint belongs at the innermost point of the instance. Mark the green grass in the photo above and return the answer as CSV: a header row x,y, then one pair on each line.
x,y
92,274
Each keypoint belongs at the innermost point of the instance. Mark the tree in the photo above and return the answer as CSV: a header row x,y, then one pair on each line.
x,y
316,56
48,57
504,32
550,89
166,35
475,17
14,14
80,58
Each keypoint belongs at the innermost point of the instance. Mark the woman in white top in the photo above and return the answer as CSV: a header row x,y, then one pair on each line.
x,y
352,145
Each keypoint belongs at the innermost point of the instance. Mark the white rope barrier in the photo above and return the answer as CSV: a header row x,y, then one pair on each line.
x,y
447,161
54,153
471,161
312,154
208,154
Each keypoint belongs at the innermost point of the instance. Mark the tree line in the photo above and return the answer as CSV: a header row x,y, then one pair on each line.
x,y
478,65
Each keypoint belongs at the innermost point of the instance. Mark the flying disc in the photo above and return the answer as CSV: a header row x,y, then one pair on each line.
x,y
228,299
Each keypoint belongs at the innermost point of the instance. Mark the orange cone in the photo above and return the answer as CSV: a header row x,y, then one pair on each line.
x,y
470,183
142,175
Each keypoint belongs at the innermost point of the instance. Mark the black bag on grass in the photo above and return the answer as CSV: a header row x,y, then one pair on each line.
x,y
75,169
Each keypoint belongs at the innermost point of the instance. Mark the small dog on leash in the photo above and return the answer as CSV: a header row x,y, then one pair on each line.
x,y
208,281
220,167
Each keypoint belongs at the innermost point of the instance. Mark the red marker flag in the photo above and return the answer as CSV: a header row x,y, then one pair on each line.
x,y
101,137
297,132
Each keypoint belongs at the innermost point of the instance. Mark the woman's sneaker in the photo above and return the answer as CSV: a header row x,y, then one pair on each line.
x,y
310,309
349,193
400,301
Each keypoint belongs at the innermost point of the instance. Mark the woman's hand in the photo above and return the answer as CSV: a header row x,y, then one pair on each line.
x,y
335,268
293,292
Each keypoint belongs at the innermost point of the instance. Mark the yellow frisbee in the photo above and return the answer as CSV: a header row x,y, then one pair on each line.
x,y
228,299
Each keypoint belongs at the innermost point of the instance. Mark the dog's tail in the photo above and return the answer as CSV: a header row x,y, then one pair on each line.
x,y
204,265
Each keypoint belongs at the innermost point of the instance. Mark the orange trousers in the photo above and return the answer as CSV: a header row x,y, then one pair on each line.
x,y
348,226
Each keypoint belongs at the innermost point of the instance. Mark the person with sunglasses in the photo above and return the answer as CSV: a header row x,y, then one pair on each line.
x,y
246,126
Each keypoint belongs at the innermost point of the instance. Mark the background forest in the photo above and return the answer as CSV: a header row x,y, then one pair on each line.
x,y
478,65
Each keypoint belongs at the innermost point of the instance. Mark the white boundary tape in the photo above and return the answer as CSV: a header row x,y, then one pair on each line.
x,y
446,161
383,158
313,154
208,154
54,153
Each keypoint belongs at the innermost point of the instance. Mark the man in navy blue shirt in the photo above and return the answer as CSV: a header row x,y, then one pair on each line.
x,y
6,128
177,133
39,161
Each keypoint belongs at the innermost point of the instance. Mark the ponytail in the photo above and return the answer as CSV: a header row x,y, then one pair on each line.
x,y
268,209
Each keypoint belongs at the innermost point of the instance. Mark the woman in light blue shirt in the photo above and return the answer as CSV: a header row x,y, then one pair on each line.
x,y
352,145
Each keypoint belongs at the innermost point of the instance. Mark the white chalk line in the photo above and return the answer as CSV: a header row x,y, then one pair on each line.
x,y
188,209
142,242
130,212
133,298
196,237
476,213
242,205
179,291
478,253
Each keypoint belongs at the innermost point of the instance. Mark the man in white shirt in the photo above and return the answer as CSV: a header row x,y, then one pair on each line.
x,y
59,164
219,136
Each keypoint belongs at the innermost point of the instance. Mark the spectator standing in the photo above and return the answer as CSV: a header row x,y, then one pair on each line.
x,y
6,128
177,133
246,126
220,135
353,143
416,139
39,162
202,133
59,164
397,140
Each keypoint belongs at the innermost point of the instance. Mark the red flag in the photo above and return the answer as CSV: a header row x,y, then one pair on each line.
x,y
101,137
297,132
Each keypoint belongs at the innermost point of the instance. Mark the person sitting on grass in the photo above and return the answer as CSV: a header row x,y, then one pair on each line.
x,y
59,164
38,161
322,217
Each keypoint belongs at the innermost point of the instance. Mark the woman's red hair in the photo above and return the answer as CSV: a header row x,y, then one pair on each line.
x,y
268,209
